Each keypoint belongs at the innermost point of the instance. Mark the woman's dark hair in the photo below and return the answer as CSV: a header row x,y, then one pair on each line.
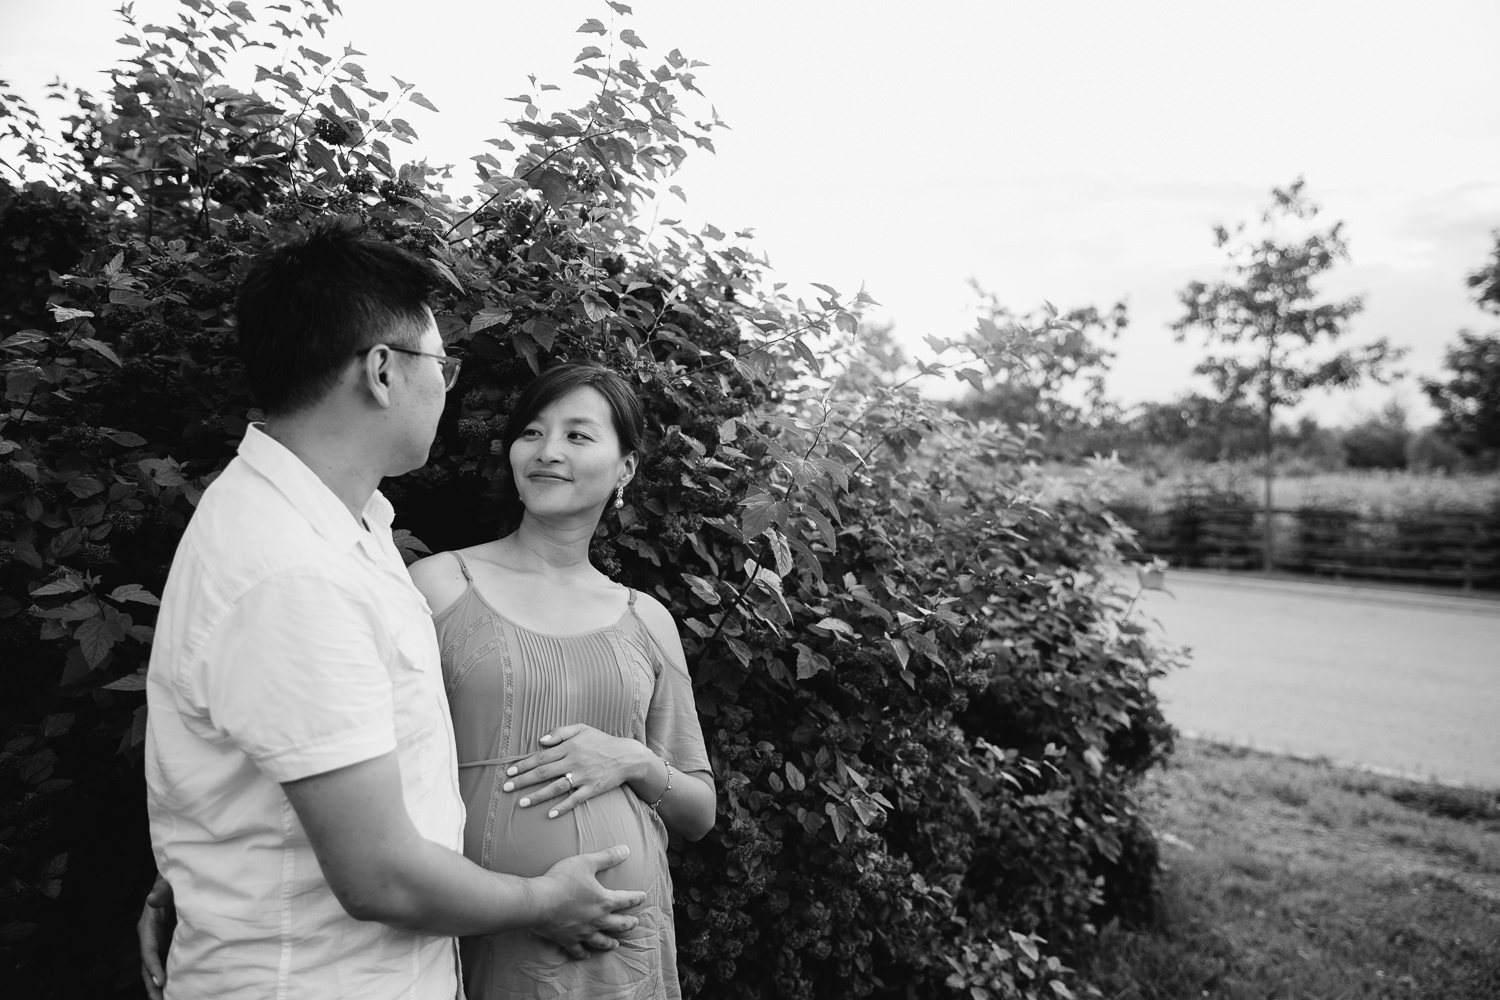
x,y
625,411
307,308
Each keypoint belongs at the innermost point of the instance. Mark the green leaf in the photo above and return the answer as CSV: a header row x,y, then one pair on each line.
x,y
595,307
527,348
553,185
137,734
446,272
632,39
795,777
64,315
126,439
836,625
163,471
410,546
542,329
96,637
593,26
760,513
810,663
840,822
782,551
25,337
972,376
866,812
254,109
703,589
342,100
971,800
128,297
133,592
1026,944
85,486
422,102
39,767
589,52
740,650
130,682
487,317
69,584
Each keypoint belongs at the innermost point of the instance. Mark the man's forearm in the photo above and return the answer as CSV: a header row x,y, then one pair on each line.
x,y
433,890
380,868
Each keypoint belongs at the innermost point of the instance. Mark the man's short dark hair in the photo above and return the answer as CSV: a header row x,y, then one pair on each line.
x,y
308,307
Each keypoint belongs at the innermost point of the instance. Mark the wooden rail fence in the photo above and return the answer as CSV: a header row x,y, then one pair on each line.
x,y
1461,550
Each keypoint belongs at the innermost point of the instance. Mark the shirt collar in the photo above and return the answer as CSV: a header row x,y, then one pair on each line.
x,y
309,494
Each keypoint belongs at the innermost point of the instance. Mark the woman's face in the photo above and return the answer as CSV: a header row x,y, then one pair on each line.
x,y
567,459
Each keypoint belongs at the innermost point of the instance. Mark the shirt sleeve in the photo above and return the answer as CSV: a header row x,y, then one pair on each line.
x,y
295,676
672,727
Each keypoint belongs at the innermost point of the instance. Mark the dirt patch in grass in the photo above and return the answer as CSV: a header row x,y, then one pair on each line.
x,y
1295,879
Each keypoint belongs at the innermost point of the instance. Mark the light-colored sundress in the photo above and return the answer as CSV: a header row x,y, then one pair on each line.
x,y
509,685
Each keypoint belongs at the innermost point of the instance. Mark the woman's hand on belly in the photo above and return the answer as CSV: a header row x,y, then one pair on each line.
x,y
576,763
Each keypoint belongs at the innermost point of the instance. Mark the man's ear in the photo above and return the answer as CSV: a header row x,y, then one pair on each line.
x,y
376,372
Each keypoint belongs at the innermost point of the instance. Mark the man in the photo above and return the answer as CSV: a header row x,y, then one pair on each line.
x,y
302,784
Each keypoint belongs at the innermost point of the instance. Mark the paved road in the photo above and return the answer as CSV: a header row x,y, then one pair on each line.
x,y
1403,681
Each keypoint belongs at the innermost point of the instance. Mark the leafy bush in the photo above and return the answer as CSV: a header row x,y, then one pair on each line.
x,y
926,706
1379,441
1428,451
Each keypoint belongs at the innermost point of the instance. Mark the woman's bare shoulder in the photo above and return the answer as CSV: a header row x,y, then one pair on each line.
x,y
440,578
659,620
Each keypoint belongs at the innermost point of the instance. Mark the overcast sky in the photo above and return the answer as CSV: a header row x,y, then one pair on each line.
x,y
1077,152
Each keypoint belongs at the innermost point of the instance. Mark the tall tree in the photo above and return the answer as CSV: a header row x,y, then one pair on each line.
x,y
1468,400
1265,325
1486,280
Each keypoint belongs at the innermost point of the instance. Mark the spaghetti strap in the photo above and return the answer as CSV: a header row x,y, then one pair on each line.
x,y
631,605
463,565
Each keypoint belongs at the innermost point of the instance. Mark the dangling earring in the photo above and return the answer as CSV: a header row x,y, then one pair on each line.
x,y
619,496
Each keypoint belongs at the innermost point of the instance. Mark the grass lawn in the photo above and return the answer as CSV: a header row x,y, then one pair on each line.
x,y
1293,879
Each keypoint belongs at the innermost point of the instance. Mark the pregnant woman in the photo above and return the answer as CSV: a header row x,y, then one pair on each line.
x,y
571,701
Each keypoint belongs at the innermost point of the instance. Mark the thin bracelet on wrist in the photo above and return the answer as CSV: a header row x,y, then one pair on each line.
x,y
664,791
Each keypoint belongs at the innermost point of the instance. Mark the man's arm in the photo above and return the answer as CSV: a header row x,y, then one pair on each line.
x,y
380,868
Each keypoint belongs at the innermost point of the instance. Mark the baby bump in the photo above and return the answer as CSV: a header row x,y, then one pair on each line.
x,y
525,842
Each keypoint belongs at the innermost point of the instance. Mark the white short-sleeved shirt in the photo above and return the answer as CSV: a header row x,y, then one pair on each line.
x,y
291,642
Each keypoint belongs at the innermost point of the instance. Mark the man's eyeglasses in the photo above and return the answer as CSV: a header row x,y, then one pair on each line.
x,y
447,362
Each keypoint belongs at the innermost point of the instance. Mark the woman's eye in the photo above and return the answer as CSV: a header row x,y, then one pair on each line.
x,y
531,432
580,436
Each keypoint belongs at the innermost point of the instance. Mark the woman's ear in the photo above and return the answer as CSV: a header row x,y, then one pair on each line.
x,y
631,461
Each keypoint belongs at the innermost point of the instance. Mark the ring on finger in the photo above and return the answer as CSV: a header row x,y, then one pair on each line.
x,y
569,779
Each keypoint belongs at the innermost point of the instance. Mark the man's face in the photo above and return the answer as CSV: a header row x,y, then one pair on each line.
x,y
419,398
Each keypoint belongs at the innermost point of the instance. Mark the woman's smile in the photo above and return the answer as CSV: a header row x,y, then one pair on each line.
x,y
573,443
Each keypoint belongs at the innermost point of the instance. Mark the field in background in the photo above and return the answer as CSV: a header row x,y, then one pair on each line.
x,y
1369,493
1294,879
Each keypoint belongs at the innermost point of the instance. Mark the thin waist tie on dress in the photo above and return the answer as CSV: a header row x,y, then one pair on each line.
x,y
494,761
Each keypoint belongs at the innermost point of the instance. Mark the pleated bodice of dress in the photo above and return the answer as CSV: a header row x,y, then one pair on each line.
x,y
508,686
